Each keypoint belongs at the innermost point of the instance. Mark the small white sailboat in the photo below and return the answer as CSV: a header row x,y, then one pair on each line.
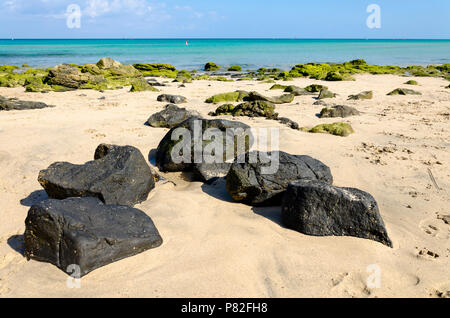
x,y
187,43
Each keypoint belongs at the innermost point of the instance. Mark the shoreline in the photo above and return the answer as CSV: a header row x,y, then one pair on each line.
x,y
214,247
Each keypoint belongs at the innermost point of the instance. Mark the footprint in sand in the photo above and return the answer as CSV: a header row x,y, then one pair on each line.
x,y
437,227
427,254
442,291
350,285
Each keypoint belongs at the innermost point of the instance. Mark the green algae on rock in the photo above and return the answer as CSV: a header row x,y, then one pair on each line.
x,y
141,85
404,91
249,109
278,86
337,129
361,96
315,88
235,68
237,96
411,82
211,66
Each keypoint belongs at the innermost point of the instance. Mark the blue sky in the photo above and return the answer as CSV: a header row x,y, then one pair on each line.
x,y
224,19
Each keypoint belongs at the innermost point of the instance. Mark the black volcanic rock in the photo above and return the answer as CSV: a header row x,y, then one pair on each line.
x,y
247,183
86,233
320,209
118,175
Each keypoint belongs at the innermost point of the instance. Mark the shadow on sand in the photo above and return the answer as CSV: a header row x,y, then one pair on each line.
x,y
17,243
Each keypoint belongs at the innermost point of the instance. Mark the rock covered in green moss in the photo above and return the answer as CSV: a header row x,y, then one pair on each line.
x,y
325,93
278,86
36,85
211,67
141,85
411,82
70,76
183,76
404,91
235,68
296,91
338,111
237,96
157,69
283,99
338,76
337,129
362,95
315,88
312,70
249,109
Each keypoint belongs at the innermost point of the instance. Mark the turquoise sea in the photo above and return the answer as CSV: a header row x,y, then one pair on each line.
x,y
249,53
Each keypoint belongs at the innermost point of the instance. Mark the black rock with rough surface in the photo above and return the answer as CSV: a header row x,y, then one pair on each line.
x,y
84,233
246,182
320,209
229,130
170,116
118,175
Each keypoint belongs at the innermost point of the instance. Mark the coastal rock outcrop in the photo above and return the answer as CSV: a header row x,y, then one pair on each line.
x,y
173,99
170,116
320,209
247,183
84,234
118,175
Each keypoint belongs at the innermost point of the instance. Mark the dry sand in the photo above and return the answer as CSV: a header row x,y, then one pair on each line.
x,y
216,248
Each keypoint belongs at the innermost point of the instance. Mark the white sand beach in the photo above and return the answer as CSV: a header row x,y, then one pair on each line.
x,y
214,247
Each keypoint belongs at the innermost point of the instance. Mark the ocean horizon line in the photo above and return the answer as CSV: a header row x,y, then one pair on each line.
x,y
233,38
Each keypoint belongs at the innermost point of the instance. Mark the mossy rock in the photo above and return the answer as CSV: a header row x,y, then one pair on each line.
x,y
325,93
337,76
36,85
412,82
278,86
337,129
25,65
284,76
211,67
157,69
141,85
8,68
183,76
225,109
315,88
248,109
235,68
312,70
237,96
361,96
403,91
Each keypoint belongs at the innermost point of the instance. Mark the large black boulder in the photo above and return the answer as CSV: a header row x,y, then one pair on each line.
x,y
320,209
86,233
170,116
247,183
228,139
118,175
